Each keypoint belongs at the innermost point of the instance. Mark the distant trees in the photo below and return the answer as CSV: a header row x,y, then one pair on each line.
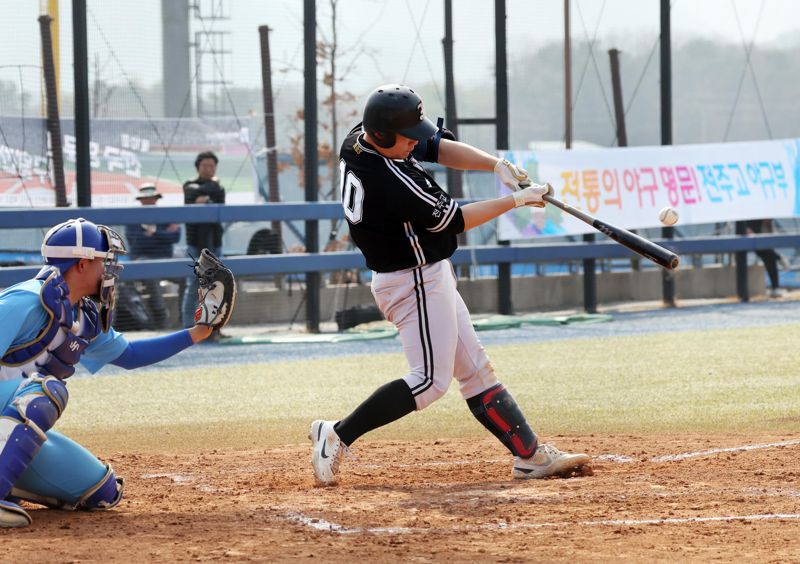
x,y
706,75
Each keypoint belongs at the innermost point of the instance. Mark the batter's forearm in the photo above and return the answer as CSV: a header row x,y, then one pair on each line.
x,y
458,155
478,213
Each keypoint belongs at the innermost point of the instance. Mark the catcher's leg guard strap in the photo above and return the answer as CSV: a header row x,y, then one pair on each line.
x,y
23,424
496,409
105,494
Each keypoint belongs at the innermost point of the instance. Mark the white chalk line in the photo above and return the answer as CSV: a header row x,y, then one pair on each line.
x,y
328,526
435,463
177,478
324,525
685,455
183,480
610,457
619,458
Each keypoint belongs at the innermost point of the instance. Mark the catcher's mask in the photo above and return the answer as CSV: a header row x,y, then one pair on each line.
x,y
75,239
393,109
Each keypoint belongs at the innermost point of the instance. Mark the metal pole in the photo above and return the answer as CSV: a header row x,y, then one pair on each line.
x,y
619,107
589,264
667,276
269,125
589,279
311,170
742,288
53,121
567,79
176,65
80,56
619,114
504,305
454,177
501,72
55,34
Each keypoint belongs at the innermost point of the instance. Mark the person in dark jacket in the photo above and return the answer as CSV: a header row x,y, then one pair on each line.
x,y
770,257
205,189
152,241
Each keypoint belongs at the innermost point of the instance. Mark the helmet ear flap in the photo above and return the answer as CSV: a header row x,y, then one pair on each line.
x,y
383,139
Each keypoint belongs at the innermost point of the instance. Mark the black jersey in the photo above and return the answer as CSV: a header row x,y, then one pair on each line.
x,y
398,216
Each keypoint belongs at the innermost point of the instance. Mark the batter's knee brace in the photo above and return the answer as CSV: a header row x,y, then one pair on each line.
x,y
497,410
23,424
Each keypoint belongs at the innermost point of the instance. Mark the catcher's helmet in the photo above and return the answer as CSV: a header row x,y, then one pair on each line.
x,y
392,109
68,242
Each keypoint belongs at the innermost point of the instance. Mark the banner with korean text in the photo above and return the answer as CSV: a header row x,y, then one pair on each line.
x,y
123,154
628,186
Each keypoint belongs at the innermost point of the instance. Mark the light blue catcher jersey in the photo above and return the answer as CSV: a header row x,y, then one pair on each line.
x,y
22,318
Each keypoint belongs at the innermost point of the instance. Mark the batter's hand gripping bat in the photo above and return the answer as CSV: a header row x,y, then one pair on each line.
x,y
648,249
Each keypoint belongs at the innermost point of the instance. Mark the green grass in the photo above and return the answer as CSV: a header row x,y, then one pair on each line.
x,y
728,380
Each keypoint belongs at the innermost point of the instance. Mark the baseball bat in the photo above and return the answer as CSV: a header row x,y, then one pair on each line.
x,y
640,245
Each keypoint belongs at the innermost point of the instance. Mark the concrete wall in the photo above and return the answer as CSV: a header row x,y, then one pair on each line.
x,y
534,293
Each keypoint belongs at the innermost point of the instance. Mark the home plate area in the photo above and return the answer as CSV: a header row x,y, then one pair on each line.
x,y
735,496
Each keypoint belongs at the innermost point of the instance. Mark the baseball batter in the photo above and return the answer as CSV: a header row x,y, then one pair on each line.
x,y
406,226
51,323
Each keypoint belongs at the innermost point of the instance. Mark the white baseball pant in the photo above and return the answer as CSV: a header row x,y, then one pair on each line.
x,y
438,338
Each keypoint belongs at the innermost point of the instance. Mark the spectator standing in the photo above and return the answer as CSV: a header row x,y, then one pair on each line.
x,y
205,189
770,257
152,241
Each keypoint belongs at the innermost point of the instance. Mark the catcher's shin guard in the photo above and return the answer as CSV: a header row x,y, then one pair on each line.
x,y
23,424
105,494
22,433
496,409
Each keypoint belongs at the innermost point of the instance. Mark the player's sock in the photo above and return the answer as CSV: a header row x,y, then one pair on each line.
x,y
388,403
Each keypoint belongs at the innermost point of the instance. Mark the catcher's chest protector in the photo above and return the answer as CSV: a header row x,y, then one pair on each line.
x,y
58,347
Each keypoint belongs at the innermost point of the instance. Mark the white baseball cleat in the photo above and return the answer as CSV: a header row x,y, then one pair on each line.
x,y
547,461
327,450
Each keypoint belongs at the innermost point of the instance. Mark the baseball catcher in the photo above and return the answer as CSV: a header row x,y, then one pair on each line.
x,y
51,323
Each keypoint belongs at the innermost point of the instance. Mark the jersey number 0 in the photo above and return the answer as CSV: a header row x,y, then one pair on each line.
x,y
352,194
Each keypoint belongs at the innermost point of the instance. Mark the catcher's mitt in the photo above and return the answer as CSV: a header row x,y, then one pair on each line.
x,y
217,292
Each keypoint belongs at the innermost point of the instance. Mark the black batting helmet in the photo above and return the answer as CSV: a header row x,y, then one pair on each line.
x,y
394,108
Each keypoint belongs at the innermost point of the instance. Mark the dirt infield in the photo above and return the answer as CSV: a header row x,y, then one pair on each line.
x,y
444,500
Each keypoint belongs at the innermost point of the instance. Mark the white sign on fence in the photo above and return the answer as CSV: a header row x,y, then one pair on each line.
x,y
628,186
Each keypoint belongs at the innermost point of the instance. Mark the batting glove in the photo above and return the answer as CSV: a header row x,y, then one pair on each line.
x,y
532,195
511,175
